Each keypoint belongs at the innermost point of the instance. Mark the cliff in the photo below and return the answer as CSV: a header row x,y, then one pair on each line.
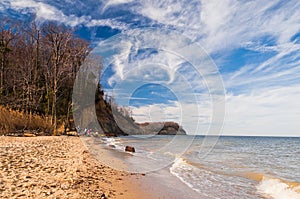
x,y
105,116
114,122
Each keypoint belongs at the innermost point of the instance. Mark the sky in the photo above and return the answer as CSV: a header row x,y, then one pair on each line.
x,y
229,67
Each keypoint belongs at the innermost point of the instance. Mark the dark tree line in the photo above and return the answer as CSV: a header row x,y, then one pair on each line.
x,y
38,66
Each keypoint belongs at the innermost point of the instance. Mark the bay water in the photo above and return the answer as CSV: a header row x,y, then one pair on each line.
x,y
215,167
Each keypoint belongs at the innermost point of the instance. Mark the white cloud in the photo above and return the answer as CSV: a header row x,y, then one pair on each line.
x,y
3,5
216,25
122,58
42,10
114,2
232,22
47,12
224,24
179,64
280,70
104,22
266,112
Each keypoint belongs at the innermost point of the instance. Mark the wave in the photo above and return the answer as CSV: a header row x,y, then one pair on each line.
x,y
278,189
113,143
208,183
272,187
195,175
182,169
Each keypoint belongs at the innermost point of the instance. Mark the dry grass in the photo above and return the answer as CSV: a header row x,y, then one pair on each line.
x,y
12,121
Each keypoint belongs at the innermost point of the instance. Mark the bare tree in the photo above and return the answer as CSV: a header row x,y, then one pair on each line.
x,y
65,55
38,67
56,39
7,34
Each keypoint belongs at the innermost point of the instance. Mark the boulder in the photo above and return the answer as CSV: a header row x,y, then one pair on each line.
x,y
130,149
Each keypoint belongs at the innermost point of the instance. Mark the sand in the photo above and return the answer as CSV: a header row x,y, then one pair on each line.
x,y
60,167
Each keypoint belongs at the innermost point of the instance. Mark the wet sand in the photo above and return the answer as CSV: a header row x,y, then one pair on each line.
x,y
61,167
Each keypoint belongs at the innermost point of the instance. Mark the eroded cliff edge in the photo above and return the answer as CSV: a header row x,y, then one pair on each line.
x,y
115,123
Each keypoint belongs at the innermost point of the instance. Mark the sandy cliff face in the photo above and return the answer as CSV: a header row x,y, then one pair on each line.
x,y
106,117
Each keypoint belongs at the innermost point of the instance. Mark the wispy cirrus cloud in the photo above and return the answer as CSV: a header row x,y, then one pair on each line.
x,y
3,5
283,69
223,26
44,11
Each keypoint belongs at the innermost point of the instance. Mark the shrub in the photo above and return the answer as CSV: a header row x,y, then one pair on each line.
x,y
12,121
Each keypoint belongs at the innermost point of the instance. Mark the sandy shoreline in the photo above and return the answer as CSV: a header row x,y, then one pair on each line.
x,y
60,167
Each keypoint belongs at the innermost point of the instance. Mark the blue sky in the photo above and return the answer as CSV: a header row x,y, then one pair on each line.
x,y
253,45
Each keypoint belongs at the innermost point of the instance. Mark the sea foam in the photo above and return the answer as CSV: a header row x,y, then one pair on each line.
x,y
113,142
278,189
182,170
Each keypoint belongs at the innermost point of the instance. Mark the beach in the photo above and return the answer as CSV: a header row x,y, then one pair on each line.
x,y
60,167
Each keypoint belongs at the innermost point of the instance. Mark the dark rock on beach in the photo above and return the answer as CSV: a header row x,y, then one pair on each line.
x,y
130,149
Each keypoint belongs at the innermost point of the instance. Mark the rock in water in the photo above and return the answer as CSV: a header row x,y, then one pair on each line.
x,y
130,149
